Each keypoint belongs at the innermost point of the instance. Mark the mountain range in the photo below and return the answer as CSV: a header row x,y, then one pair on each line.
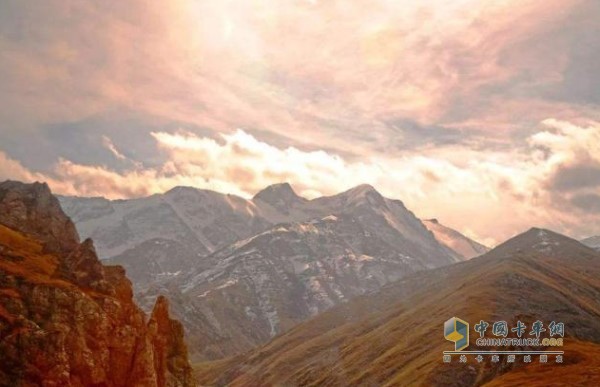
x,y
395,336
172,230
238,272
350,289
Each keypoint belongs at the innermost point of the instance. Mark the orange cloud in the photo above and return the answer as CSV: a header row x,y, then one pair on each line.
x,y
448,184
313,72
342,93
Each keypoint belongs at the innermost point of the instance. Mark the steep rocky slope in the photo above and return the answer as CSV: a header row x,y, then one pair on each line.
x,y
395,336
201,220
67,320
276,259
458,244
264,285
173,232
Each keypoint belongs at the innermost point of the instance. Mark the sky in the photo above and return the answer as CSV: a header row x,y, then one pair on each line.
x,y
482,114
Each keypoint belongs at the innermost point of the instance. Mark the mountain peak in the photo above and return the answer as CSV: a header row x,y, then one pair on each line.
x,y
364,193
540,241
32,209
280,196
282,188
362,189
181,189
541,234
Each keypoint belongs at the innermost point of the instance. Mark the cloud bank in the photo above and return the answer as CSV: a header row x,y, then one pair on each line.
x,y
509,191
443,104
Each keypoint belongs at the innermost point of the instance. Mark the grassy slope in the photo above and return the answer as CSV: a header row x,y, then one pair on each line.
x,y
347,347
581,368
24,256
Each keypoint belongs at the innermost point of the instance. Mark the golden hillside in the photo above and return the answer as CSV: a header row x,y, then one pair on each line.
x,y
395,337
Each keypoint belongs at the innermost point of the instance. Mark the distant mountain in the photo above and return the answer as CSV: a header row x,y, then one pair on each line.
x,y
67,320
168,233
203,220
249,291
593,242
394,336
240,271
176,229
464,247
281,197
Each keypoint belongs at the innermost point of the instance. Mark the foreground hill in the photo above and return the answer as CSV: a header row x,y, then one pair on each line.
x,y
67,320
395,337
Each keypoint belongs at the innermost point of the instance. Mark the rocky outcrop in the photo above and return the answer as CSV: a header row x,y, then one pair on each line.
x,y
33,210
170,352
67,320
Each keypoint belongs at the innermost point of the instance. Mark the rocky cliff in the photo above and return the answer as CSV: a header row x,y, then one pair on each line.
x,y
67,320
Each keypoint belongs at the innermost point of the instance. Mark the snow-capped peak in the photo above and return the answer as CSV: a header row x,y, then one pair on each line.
x,y
280,196
538,241
360,191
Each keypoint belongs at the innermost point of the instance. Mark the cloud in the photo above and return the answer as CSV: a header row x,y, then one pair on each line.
x,y
435,102
446,183
576,177
108,144
331,72
12,169
587,202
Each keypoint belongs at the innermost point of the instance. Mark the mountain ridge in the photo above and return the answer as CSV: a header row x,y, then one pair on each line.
x,y
65,319
307,255
262,216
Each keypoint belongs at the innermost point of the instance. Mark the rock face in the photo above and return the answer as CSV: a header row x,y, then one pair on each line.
x,y
67,320
32,210
166,336
240,271
350,244
157,237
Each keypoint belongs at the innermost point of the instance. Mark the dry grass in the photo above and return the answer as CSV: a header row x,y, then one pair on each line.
x,y
581,368
24,258
400,341
4,314
9,293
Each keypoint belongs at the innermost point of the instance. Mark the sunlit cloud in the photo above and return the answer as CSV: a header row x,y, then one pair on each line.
x,y
442,104
108,144
453,182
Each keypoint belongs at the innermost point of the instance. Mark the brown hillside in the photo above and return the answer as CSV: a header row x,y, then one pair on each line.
x,y
395,337
65,319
